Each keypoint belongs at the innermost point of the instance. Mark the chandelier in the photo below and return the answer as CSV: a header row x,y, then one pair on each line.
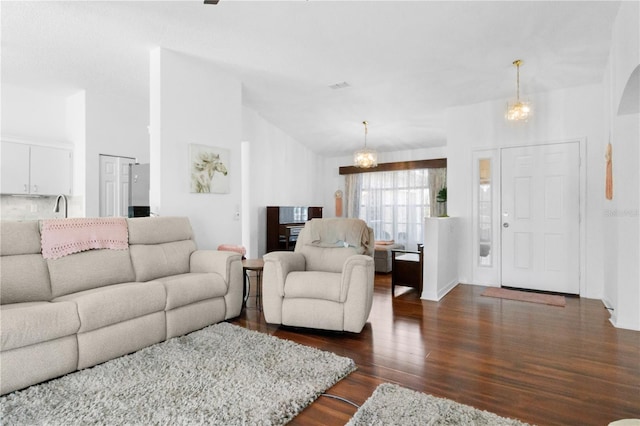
x,y
365,158
518,110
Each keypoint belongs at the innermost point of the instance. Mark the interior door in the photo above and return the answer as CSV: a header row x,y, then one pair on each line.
x,y
541,217
123,202
114,185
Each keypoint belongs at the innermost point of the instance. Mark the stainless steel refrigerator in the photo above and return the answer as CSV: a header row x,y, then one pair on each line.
x,y
139,190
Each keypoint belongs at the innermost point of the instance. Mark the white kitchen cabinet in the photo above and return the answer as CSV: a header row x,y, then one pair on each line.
x,y
35,169
15,168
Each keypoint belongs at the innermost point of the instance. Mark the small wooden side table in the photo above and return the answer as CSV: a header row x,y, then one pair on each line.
x,y
407,269
256,265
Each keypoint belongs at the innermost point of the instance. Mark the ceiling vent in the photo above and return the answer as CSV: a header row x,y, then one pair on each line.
x,y
342,85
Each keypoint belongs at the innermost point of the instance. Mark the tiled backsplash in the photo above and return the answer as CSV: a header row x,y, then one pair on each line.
x,y
19,207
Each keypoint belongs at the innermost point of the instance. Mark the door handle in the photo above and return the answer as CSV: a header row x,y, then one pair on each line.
x,y
505,225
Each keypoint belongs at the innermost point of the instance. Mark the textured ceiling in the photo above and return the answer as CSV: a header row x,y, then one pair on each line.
x,y
405,62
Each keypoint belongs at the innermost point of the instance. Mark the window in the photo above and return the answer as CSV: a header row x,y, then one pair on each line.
x,y
485,212
394,203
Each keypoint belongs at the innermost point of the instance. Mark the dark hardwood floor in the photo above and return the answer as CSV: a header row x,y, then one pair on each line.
x,y
540,364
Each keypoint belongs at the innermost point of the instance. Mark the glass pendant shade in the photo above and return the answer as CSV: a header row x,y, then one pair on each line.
x,y
518,110
366,157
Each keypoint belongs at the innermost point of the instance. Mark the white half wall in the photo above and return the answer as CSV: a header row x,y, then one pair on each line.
x,y
194,102
440,273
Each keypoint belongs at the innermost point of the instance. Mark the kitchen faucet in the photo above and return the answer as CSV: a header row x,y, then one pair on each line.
x,y
56,208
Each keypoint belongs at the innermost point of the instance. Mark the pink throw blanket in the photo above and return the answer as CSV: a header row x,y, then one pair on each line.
x,y
61,237
231,247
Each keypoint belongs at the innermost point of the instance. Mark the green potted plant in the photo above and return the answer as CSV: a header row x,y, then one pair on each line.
x,y
441,198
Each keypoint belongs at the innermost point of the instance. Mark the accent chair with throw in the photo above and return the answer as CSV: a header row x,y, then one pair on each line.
x,y
326,282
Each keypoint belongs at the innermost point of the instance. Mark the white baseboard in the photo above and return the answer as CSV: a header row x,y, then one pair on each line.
x,y
439,294
446,289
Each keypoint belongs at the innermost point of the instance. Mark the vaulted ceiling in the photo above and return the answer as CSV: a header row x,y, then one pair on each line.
x,y
404,62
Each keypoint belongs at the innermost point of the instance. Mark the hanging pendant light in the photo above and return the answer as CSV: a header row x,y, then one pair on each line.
x,y
518,110
365,158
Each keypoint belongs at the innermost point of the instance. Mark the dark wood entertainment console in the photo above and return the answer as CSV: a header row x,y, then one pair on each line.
x,y
284,224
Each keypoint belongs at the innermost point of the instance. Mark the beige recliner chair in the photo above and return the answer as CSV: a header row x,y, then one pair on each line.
x,y
327,282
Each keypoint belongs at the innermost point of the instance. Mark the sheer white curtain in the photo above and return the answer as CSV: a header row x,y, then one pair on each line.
x,y
437,180
392,203
352,195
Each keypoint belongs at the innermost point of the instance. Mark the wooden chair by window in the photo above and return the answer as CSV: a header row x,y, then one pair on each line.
x,y
407,269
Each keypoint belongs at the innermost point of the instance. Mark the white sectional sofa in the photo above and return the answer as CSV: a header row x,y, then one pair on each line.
x,y
61,315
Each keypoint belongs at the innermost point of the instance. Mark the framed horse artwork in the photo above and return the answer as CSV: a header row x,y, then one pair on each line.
x,y
208,169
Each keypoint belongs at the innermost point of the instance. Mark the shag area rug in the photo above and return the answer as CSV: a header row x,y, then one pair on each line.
x,y
220,375
394,405
525,296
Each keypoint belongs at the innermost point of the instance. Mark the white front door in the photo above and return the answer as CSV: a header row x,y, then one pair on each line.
x,y
541,217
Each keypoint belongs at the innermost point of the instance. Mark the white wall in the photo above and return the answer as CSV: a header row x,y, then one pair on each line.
x,y
76,130
562,115
33,115
621,247
621,217
194,102
282,172
114,125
